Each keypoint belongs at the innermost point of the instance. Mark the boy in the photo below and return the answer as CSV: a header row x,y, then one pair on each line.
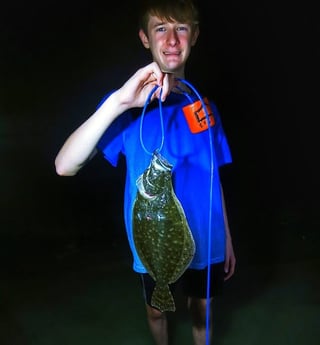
x,y
169,29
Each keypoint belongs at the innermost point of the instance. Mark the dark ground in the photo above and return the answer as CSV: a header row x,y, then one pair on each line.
x,y
66,274
79,294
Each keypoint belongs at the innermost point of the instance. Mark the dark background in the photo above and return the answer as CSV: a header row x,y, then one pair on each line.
x,y
257,60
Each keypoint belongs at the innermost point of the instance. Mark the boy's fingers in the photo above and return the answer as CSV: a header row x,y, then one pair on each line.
x,y
168,83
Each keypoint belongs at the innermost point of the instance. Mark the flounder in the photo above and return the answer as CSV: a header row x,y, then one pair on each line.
x,y
161,233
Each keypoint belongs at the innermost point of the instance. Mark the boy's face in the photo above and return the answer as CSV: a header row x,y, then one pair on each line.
x,y
170,43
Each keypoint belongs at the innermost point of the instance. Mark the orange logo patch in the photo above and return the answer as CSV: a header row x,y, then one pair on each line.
x,y
196,116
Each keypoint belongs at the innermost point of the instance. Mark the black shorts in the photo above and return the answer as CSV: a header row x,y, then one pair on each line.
x,y
193,283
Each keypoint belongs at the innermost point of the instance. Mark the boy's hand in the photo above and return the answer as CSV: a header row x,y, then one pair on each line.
x,y
136,90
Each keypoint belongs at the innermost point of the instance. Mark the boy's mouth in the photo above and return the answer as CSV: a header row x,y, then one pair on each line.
x,y
175,53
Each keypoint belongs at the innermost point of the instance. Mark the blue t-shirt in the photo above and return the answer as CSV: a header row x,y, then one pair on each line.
x,y
192,157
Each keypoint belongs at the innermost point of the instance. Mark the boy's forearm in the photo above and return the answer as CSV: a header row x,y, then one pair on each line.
x,y
81,144
225,216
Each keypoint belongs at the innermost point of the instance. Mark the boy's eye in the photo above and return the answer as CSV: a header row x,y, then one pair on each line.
x,y
161,29
178,28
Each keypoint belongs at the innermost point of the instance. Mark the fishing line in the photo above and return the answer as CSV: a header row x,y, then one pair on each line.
x,y
211,176
210,208
161,119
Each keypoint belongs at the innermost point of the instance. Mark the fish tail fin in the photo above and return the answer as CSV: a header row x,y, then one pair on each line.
x,y
162,298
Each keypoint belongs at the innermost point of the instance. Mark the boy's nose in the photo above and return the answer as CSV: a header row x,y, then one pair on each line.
x,y
172,37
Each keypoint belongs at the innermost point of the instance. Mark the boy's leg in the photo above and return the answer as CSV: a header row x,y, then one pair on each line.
x,y
157,320
198,311
194,285
158,325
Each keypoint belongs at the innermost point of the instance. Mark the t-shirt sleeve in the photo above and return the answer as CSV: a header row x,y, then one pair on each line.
x,y
222,149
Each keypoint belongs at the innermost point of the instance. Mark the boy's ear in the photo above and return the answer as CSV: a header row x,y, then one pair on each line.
x,y
195,36
144,39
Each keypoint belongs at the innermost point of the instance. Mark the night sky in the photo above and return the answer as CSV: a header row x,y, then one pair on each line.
x,y
258,60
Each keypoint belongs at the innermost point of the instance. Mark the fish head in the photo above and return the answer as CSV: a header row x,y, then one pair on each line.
x,y
157,177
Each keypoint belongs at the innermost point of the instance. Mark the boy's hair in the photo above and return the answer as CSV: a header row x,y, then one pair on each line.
x,y
183,11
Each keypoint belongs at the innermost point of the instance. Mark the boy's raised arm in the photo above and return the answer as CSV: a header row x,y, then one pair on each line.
x,y
80,146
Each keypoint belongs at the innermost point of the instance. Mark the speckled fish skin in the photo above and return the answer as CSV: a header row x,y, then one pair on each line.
x,y
161,233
